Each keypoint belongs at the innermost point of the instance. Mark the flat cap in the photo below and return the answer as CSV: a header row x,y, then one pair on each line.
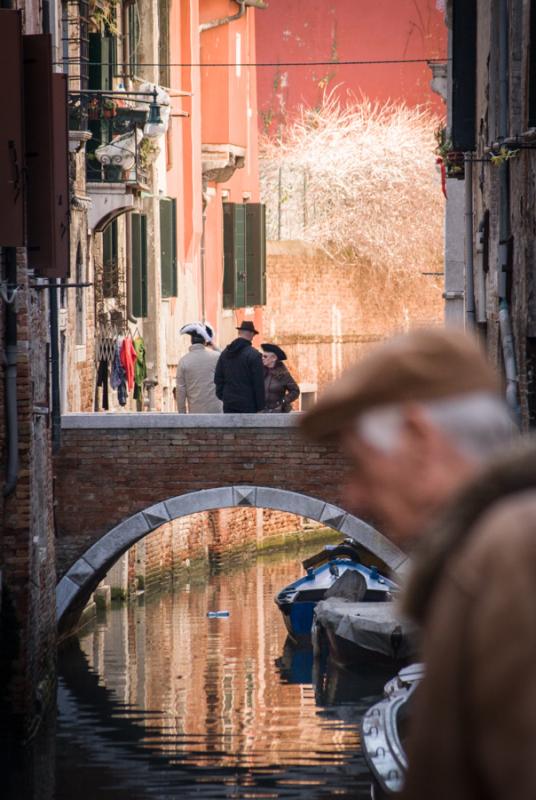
x,y
425,364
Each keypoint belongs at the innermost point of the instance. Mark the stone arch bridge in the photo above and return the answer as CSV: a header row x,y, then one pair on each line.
x,y
120,476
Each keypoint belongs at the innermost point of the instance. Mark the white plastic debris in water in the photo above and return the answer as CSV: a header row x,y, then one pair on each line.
x,y
217,614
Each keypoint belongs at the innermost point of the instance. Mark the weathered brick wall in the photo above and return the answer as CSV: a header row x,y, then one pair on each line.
x,y
27,552
105,475
326,315
209,535
80,353
520,277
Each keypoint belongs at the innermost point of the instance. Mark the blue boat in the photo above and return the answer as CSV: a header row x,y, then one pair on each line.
x,y
297,601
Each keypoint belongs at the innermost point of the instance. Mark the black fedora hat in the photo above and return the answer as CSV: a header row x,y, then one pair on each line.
x,y
273,348
247,325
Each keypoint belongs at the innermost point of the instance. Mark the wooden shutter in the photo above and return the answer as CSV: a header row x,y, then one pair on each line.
x,y
229,274
139,264
234,256
110,276
168,247
464,20
46,142
11,131
240,255
255,254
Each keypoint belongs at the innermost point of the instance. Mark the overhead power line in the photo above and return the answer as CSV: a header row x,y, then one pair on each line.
x,y
261,63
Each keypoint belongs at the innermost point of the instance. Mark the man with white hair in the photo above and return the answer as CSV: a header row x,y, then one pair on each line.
x,y
433,464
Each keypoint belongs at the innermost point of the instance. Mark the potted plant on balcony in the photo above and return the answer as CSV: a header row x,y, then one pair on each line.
x,y
452,161
147,152
109,108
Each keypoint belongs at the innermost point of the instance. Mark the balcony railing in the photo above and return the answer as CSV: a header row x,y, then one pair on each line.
x,y
117,151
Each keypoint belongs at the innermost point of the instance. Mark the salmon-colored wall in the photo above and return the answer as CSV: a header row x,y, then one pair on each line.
x,y
341,30
224,87
229,116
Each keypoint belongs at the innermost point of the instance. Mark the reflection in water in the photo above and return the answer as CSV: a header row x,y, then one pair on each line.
x,y
161,701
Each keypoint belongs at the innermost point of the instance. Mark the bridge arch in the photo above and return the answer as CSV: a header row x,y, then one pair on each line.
x,y
78,583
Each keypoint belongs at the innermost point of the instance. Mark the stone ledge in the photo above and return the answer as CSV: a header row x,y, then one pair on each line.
x,y
134,420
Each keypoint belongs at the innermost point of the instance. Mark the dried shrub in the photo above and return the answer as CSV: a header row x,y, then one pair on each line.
x,y
358,181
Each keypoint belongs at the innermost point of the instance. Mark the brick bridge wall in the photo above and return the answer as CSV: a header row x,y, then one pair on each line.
x,y
119,476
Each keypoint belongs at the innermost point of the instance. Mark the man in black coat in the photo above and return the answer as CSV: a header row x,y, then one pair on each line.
x,y
239,376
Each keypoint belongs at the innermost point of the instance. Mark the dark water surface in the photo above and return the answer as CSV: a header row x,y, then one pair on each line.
x,y
159,701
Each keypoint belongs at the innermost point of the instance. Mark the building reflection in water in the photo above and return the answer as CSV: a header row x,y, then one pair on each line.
x,y
214,695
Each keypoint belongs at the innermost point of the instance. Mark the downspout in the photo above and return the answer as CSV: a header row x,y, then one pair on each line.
x,y
55,368
202,254
469,273
9,296
505,327
215,23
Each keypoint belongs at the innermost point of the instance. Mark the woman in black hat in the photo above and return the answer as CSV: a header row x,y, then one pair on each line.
x,y
280,388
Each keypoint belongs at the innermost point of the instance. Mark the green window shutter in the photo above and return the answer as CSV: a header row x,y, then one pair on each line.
x,y
110,274
234,255
139,264
255,254
168,247
240,255
229,273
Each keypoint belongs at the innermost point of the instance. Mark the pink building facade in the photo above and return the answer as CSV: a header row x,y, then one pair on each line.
x,y
334,31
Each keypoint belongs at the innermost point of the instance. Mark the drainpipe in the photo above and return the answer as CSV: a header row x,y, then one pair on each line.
x,y
12,431
202,254
55,368
469,273
215,23
505,327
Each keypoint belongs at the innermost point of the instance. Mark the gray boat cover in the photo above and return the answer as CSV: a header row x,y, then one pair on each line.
x,y
373,626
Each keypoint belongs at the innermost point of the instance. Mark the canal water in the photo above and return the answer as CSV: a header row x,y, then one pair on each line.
x,y
158,700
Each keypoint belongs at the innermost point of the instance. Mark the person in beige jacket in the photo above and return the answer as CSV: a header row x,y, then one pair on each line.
x,y
195,390
434,460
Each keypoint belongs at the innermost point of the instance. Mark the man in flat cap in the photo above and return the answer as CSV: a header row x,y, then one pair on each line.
x,y
435,463
239,374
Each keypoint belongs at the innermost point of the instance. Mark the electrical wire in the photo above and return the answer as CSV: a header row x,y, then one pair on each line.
x,y
272,63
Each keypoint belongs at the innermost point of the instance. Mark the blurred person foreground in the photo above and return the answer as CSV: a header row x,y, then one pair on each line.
x,y
435,463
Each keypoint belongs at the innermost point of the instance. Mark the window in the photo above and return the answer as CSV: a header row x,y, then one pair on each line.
x,y
110,263
244,255
464,21
168,246
80,306
131,23
138,264
307,400
164,78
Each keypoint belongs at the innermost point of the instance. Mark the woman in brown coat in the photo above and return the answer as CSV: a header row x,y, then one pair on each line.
x,y
280,388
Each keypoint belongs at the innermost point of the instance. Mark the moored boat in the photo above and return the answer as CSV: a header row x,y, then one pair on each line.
x,y
335,570
356,633
383,732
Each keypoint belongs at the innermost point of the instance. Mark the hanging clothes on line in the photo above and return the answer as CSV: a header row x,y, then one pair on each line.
x,y
104,352
102,381
140,367
128,360
118,377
